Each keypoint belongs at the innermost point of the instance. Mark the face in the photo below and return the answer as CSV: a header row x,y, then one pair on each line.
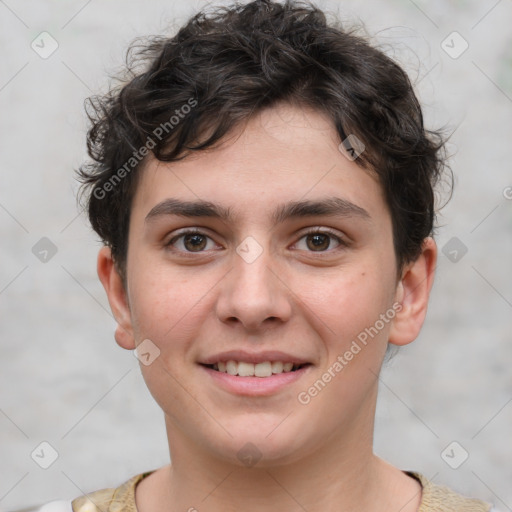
x,y
263,275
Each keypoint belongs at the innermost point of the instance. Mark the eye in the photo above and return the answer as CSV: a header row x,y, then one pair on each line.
x,y
319,240
190,241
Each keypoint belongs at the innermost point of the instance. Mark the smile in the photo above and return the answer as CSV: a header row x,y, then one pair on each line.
x,y
263,369
255,379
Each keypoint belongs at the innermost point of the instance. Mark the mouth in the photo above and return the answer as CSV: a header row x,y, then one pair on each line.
x,y
258,379
264,369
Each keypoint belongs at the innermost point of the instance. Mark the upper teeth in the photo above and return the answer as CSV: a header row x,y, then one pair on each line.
x,y
242,369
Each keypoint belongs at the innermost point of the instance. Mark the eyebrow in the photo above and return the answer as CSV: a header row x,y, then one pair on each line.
x,y
331,206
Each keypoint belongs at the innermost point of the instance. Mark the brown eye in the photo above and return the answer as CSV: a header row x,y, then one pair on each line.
x,y
194,242
320,241
190,241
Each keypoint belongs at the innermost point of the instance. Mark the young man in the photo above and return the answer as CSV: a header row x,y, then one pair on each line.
x,y
264,191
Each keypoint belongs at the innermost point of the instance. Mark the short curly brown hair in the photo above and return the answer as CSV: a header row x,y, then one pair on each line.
x,y
226,64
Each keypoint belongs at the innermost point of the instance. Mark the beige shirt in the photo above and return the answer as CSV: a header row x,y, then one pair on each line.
x,y
435,498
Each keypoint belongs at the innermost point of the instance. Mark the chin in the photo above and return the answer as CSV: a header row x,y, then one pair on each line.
x,y
264,443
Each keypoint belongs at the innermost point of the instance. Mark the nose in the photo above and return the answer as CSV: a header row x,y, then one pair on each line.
x,y
254,295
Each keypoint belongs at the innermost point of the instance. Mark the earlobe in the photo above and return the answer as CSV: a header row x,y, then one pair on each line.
x,y
412,293
116,293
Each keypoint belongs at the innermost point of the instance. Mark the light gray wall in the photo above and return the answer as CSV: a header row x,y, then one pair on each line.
x,y
63,378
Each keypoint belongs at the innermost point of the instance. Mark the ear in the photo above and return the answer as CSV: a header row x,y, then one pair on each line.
x,y
412,293
116,293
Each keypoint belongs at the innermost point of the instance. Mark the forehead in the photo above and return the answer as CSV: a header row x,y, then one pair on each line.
x,y
282,154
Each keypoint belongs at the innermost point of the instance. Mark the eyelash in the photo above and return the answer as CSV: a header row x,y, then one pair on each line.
x,y
325,231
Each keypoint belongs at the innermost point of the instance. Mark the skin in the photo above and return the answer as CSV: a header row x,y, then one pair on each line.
x,y
295,297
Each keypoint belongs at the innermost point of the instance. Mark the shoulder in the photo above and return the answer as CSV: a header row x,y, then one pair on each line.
x,y
115,499
440,498
97,501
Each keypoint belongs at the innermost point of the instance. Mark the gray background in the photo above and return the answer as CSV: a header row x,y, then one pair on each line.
x,y
66,382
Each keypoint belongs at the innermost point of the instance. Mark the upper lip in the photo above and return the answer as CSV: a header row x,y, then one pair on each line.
x,y
253,357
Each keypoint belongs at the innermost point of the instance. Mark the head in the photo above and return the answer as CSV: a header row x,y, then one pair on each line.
x,y
238,128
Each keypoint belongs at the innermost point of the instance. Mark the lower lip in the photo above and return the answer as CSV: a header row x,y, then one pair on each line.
x,y
255,386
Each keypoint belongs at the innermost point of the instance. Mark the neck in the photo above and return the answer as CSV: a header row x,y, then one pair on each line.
x,y
220,486
340,474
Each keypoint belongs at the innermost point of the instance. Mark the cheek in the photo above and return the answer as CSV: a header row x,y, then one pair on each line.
x,y
350,311
346,303
165,310
164,303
